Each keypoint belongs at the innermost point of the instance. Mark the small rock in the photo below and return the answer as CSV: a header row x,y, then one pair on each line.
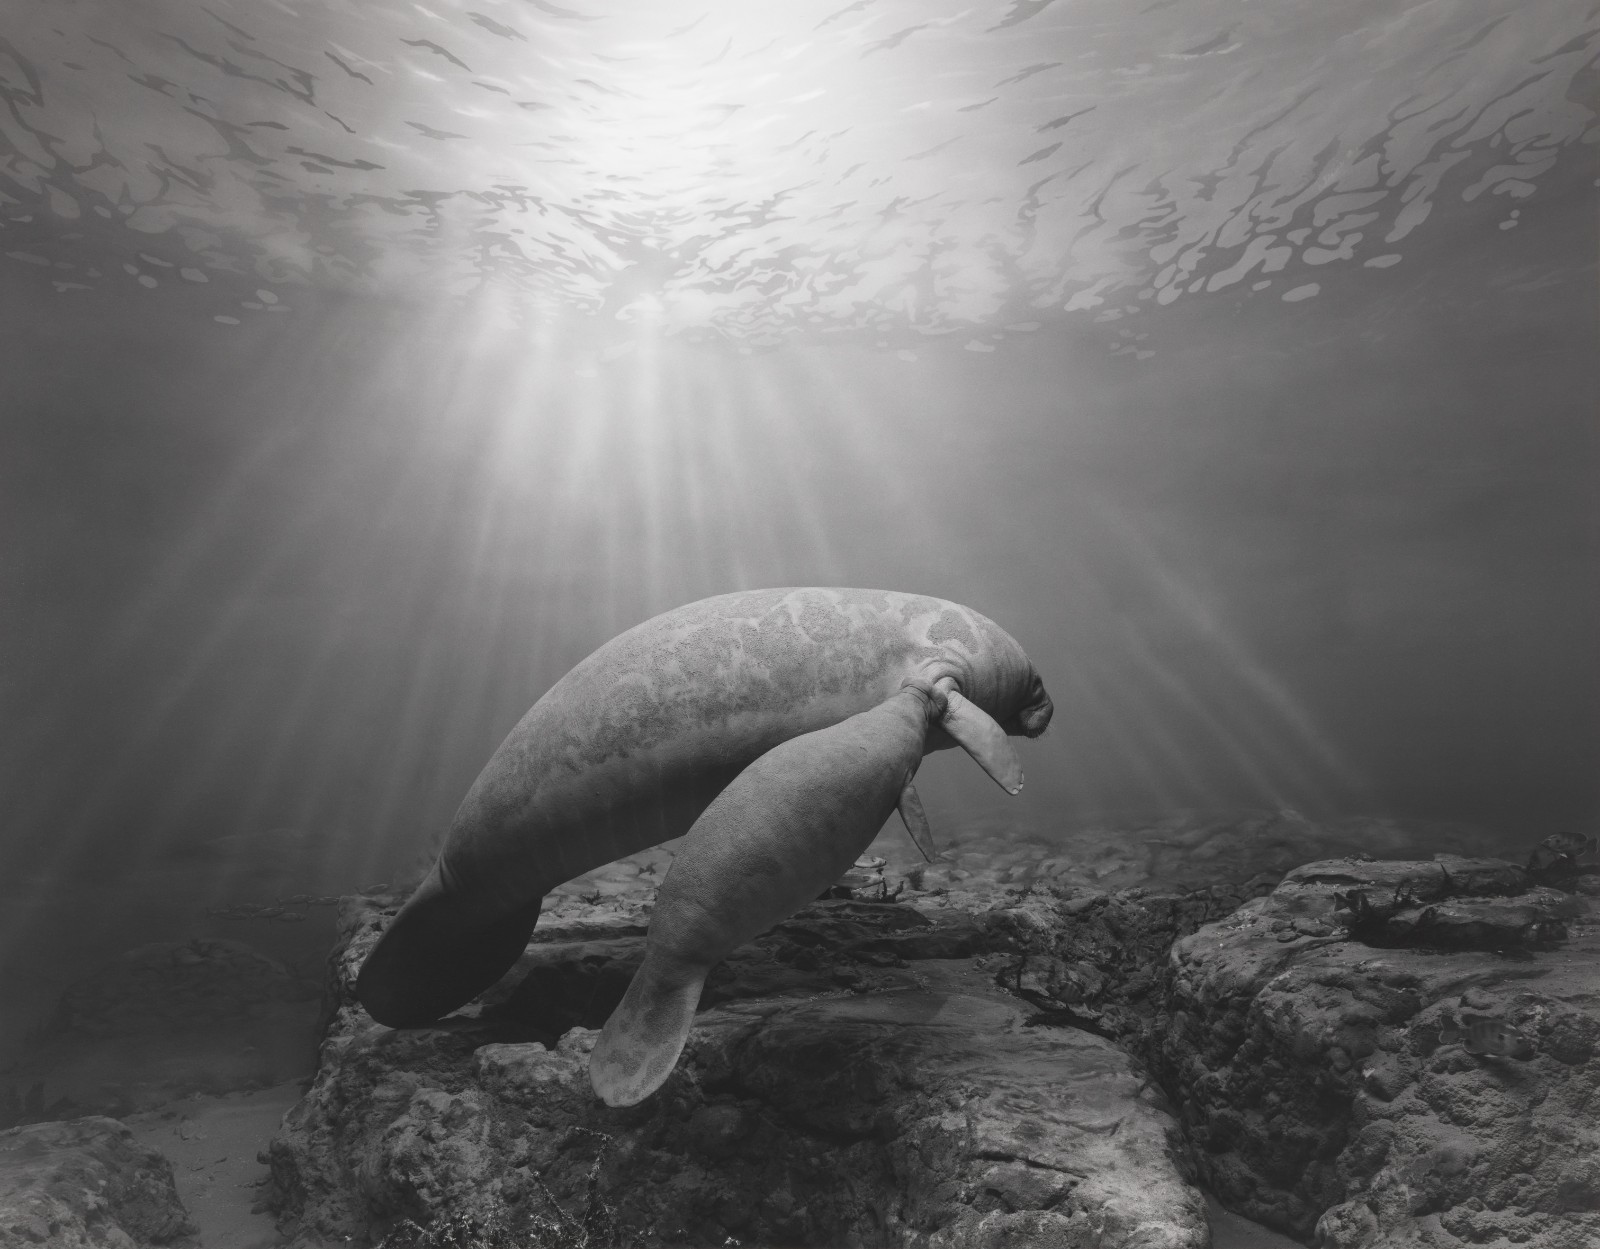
x,y
1349,1225
85,1182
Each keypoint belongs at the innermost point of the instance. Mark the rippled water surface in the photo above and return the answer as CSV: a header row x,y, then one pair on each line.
x,y
752,172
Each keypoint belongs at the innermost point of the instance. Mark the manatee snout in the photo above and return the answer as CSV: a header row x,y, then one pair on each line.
x,y
1035,719
1034,716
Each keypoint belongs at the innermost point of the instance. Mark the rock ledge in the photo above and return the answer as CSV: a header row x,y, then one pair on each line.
x,y
84,1182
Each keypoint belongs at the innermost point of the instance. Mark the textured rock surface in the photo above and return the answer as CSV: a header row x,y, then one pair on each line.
x,y
858,1078
1318,1046
1003,959
84,1182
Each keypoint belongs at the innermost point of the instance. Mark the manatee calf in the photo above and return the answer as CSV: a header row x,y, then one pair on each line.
x,y
785,829
628,748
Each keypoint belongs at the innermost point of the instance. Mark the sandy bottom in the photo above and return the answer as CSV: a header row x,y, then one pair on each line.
x,y
1233,1231
213,1143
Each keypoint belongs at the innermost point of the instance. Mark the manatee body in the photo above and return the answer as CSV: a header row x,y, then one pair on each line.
x,y
628,749
786,827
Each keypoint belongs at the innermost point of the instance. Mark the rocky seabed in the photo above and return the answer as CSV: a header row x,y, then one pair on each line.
x,y
1363,1053
1047,1065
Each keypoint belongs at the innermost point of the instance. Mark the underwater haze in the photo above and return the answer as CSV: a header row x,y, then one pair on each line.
x,y
364,366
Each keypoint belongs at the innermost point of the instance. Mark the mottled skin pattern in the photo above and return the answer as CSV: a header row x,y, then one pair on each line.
x,y
628,748
786,827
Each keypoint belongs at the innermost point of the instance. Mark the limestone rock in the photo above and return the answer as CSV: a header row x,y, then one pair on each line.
x,y
84,1182
853,1077
1396,1053
1373,1053
1094,959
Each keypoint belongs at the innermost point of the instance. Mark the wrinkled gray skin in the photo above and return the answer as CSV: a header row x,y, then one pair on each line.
x,y
786,828
628,749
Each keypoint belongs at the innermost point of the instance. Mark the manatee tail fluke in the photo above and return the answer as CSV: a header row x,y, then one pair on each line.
x,y
640,1044
977,733
439,953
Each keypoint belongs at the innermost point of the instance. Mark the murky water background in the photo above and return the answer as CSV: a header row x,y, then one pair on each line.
x,y
363,367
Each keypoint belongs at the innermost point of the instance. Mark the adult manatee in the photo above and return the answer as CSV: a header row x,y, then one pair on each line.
x,y
628,749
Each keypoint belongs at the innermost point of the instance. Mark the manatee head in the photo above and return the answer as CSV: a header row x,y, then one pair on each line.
x,y
1000,678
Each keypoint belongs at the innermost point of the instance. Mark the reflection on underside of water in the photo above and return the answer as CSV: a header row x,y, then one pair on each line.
x,y
748,173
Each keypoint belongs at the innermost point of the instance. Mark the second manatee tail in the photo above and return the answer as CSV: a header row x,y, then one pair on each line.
x,y
640,1044
438,954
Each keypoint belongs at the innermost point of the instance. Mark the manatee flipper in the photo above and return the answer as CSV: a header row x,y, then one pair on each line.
x,y
977,733
783,830
641,1042
438,953
916,821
